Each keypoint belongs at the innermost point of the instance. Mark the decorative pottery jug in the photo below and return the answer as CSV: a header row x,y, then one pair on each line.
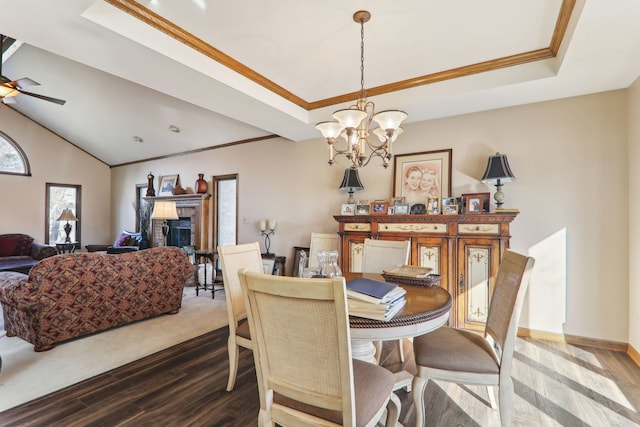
x,y
201,184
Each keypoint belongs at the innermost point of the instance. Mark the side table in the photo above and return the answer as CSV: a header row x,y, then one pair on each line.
x,y
66,247
207,255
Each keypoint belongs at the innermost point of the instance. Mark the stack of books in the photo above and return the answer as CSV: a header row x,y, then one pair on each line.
x,y
373,299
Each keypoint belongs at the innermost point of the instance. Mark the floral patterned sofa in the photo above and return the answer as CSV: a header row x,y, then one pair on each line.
x,y
18,252
72,295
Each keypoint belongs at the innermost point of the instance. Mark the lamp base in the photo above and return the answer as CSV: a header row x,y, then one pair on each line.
x,y
499,196
67,230
351,200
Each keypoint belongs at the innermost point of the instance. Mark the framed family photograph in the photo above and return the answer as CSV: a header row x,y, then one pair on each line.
x,y
449,209
348,209
379,207
475,203
433,205
363,208
167,183
402,209
417,176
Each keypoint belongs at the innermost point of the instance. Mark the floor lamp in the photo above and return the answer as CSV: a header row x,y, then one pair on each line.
x,y
164,210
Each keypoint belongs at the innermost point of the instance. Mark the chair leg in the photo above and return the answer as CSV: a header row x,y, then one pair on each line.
x,y
492,396
505,399
419,385
233,351
393,411
401,350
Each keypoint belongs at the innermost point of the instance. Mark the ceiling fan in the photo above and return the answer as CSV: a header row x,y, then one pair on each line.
x,y
10,88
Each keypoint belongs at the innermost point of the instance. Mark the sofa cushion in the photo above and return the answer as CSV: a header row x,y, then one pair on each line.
x,y
8,246
122,240
23,246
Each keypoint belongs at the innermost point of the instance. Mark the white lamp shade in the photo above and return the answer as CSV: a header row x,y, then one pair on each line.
x,y
350,117
382,135
67,215
390,119
329,129
164,209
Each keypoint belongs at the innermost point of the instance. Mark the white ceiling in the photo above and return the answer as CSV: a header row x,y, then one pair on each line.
x,y
228,71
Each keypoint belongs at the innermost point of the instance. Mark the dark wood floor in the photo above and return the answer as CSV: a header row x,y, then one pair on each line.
x,y
555,385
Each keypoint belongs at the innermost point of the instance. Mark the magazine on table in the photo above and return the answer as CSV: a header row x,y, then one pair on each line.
x,y
374,291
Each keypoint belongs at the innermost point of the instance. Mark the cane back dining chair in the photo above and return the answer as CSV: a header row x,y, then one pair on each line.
x,y
321,242
465,357
232,259
302,353
377,255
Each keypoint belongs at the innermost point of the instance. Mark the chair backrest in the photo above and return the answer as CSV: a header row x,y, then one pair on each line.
x,y
233,258
302,352
321,242
380,254
509,290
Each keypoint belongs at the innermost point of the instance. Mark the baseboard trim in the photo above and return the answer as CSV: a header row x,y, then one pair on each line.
x,y
574,339
634,355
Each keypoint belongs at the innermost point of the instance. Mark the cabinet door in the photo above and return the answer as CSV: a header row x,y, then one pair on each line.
x,y
352,248
432,252
478,261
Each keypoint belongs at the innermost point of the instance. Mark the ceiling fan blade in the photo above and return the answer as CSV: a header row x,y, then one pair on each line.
x,y
26,81
46,98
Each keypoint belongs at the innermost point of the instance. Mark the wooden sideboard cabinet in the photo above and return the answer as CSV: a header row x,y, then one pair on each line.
x,y
464,249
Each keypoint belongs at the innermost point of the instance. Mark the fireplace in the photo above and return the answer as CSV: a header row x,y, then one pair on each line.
x,y
191,229
179,232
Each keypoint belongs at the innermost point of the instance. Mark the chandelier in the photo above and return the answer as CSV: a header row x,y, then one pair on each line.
x,y
353,124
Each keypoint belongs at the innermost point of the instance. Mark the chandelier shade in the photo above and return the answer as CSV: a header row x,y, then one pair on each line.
x,y
354,124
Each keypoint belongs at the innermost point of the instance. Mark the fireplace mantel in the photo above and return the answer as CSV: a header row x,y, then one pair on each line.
x,y
194,206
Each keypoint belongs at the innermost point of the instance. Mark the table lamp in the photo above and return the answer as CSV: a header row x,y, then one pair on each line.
x,y
67,215
498,172
351,182
164,210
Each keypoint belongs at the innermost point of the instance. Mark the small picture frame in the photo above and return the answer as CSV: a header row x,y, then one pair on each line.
x,y
363,209
391,210
450,209
396,201
433,205
167,182
476,203
446,201
268,265
402,209
379,207
348,209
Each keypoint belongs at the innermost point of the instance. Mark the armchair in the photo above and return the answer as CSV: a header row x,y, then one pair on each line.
x,y
127,242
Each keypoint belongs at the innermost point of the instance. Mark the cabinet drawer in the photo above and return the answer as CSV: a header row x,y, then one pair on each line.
x,y
478,228
357,226
412,228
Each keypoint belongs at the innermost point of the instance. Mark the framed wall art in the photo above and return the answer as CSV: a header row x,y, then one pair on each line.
x,y
167,183
417,176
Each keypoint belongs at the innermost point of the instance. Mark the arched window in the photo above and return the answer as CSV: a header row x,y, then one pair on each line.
x,y
13,161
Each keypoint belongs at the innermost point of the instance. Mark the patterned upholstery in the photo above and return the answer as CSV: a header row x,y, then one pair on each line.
x,y
72,295
25,253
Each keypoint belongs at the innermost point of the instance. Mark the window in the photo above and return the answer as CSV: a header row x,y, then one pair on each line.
x,y
225,208
58,198
13,161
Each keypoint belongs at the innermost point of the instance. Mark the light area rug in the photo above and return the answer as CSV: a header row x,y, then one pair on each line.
x,y
27,375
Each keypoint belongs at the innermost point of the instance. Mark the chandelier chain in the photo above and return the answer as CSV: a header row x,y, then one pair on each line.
x,y
362,94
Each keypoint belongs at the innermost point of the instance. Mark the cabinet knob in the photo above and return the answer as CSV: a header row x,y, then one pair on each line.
x,y
461,283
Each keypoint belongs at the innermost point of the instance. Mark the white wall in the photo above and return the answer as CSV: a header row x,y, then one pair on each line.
x,y
570,160
53,160
634,211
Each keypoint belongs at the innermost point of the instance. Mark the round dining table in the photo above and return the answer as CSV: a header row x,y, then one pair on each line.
x,y
426,309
